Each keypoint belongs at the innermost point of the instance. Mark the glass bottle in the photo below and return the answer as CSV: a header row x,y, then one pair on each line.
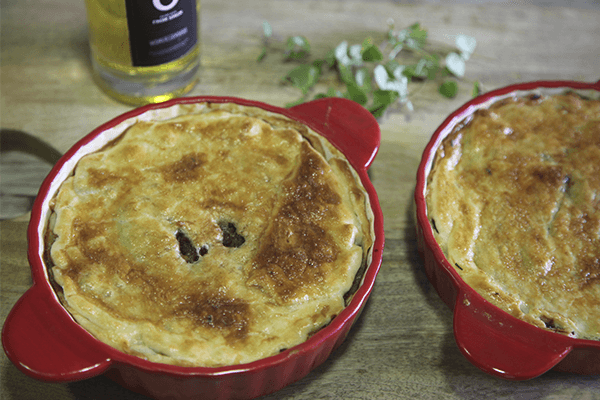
x,y
144,51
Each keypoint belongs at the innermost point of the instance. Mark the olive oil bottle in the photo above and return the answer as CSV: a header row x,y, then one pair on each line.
x,y
144,51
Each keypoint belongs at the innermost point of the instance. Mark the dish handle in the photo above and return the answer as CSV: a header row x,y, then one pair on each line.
x,y
499,347
350,126
39,338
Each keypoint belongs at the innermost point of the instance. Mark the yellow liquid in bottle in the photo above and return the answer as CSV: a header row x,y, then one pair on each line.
x,y
114,71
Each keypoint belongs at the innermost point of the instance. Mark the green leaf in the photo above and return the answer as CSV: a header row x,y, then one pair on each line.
x,y
476,89
382,99
426,68
433,66
330,58
417,36
377,111
345,74
357,94
448,89
304,77
297,48
295,102
331,92
319,64
391,66
370,52
262,54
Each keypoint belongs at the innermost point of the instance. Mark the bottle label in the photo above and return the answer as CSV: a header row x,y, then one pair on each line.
x,y
160,31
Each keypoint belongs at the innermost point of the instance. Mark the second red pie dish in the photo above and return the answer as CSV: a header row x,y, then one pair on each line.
x,y
491,339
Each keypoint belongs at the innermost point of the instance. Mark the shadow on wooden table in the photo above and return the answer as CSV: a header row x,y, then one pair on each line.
x,y
25,161
23,387
454,363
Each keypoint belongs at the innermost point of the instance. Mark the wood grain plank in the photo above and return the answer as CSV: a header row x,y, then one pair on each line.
x,y
402,347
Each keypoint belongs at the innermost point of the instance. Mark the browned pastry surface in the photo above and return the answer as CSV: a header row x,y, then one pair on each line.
x,y
514,200
214,238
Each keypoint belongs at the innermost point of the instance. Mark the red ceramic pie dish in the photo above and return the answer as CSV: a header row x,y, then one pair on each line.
x,y
43,341
490,338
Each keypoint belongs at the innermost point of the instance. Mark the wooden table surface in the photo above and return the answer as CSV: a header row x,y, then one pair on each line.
x,y
402,346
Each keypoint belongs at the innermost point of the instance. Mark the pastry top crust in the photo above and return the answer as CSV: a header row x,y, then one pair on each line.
x,y
514,201
213,238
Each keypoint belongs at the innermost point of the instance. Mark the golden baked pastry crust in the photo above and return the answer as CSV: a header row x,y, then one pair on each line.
x,y
216,237
514,200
